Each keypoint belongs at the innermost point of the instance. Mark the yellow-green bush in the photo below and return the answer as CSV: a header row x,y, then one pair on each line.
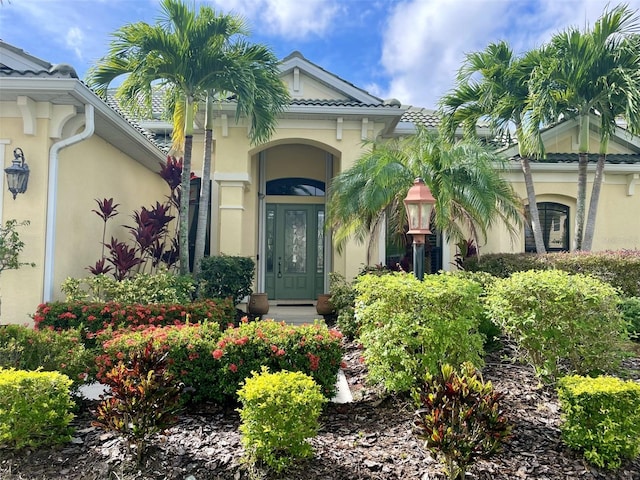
x,y
279,413
34,408
409,327
601,417
560,322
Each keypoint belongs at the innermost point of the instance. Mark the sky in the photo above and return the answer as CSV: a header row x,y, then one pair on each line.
x,y
404,49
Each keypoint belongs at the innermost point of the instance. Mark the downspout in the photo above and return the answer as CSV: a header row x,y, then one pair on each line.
x,y
52,197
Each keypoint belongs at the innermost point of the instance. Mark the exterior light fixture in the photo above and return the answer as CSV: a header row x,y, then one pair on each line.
x,y
418,203
17,173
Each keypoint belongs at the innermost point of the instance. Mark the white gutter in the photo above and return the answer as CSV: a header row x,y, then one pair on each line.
x,y
52,197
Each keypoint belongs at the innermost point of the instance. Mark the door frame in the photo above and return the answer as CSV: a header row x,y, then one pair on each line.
x,y
262,219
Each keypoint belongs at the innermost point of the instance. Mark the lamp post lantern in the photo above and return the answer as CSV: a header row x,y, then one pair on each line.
x,y
418,204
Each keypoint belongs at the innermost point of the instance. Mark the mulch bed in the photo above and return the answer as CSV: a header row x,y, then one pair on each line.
x,y
368,439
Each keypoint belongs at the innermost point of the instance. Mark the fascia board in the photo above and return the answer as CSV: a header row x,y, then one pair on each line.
x,y
328,79
573,167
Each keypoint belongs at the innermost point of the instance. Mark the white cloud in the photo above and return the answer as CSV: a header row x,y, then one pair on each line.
x,y
75,40
425,41
290,19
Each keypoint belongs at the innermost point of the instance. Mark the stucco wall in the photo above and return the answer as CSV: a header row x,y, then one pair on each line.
x,y
91,170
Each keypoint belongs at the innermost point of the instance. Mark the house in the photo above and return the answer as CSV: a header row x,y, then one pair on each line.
x,y
268,200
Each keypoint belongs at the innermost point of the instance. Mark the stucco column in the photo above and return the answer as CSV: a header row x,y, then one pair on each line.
x,y
232,211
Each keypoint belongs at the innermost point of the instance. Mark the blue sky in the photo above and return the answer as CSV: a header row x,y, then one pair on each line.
x,y
406,49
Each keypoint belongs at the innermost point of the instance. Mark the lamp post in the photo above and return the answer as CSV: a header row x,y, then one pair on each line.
x,y
419,203
17,173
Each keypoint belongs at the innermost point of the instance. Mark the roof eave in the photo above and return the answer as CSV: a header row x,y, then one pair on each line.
x,y
109,124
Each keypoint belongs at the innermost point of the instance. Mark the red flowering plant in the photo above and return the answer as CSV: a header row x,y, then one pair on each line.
x,y
311,349
188,348
94,318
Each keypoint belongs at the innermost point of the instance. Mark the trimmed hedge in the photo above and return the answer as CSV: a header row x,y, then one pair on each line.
x,y
620,269
409,327
93,318
601,417
34,408
561,322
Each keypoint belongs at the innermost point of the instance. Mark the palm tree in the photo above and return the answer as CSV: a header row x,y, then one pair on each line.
x,y
193,55
464,179
589,72
492,85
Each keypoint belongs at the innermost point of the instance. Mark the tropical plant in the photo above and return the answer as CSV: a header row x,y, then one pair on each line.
x,y
192,55
585,73
493,84
11,245
464,178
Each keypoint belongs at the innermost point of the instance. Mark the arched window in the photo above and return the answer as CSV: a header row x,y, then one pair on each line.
x,y
301,187
554,220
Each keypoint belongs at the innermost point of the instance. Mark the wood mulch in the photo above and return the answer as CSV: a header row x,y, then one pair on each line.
x,y
370,438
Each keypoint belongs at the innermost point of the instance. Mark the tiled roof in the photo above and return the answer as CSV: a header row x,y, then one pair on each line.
x,y
57,71
613,158
339,103
421,116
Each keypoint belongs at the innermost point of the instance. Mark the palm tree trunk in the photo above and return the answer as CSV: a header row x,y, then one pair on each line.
x,y
203,210
581,196
533,205
185,189
593,203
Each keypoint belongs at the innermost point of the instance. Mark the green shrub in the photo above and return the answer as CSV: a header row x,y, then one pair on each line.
x,y
343,299
630,310
34,408
601,417
143,288
226,276
486,327
93,318
311,349
144,398
409,327
212,365
24,348
188,347
619,268
503,265
560,322
279,413
459,417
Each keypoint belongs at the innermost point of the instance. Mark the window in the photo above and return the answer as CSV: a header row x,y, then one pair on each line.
x,y
554,219
305,187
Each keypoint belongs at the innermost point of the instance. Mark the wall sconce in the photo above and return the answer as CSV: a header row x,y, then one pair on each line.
x,y
17,173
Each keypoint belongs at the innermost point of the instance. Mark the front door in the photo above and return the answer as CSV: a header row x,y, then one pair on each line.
x,y
294,251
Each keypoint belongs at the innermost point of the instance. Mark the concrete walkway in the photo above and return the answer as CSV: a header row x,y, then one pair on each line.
x,y
294,314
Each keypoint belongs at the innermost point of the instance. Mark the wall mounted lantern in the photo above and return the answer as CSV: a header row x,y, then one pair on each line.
x,y
419,202
17,173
